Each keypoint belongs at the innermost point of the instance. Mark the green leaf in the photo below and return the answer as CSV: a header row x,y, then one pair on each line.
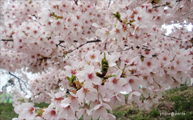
x,y
21,100
105,65
73,78
117,15
30,100
39,111
54,14
68,78
111,75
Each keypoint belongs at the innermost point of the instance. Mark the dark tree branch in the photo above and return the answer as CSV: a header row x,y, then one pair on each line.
x,y
11,40
167,4
61,41
109,3
76,2
19,81
45,58
35,16
92,41
143,1
105,45
3,87
6,40
171,37
60,45
160,6
122,50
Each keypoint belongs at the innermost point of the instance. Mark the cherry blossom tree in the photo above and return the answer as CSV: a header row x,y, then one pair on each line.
x,y
86,52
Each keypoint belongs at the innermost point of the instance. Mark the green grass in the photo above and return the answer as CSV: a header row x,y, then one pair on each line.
x,y
7,112
178,100
41,105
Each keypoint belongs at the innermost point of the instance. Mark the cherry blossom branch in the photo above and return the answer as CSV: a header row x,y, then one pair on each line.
x,y
92,41
11,40
76,2
61,41
171,37
109,3
186,13
144,47
142,2
35,16
6,40
167,4
45,58
59,44
126,49
160,5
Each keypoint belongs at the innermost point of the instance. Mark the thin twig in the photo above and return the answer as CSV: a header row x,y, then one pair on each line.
x,y
11,40
7,39
61,46
92,41
76,2
171,37
142,2
19,81
109,3
160,6
45,58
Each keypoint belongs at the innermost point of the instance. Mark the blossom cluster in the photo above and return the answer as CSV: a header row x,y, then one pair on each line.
x,y
88,52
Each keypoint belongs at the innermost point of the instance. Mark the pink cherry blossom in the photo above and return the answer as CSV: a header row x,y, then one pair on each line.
x,y
86,53
66,112
89,75
85,112
115,83
134,96
50,113
25,111
87,94
100,110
